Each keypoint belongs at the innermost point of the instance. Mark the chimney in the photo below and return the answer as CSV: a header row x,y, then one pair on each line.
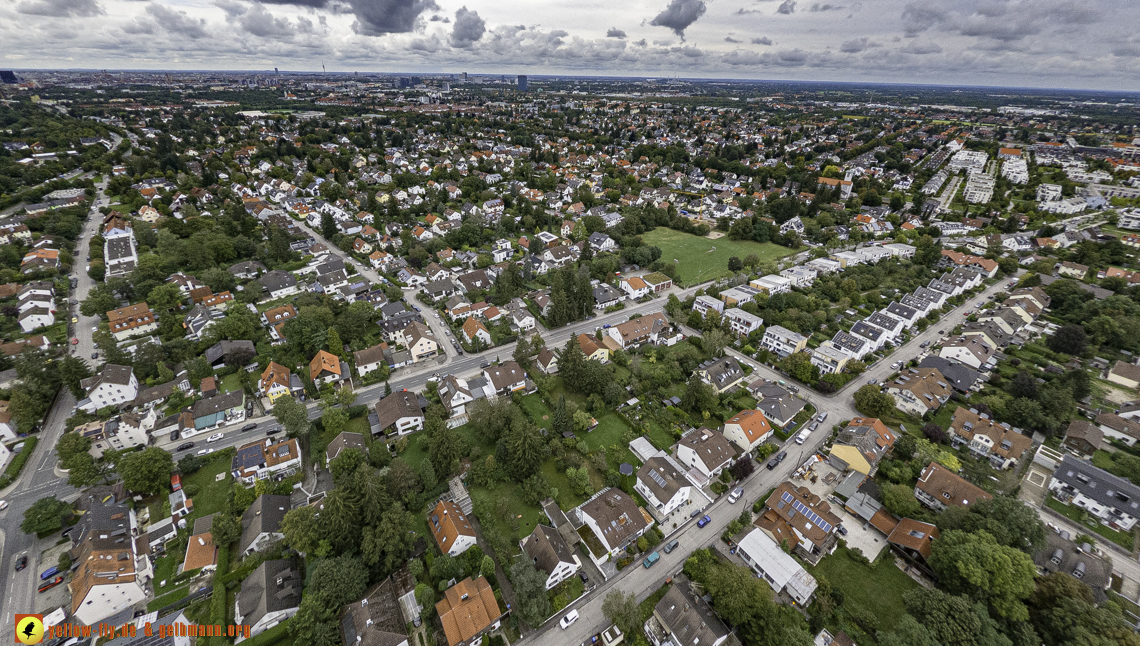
x,y
201,541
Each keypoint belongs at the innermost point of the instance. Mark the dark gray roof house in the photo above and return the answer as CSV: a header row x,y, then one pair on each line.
x,y
261,521
273,588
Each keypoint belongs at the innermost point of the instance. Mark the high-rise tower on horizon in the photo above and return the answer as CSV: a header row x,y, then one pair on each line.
x,y
522,83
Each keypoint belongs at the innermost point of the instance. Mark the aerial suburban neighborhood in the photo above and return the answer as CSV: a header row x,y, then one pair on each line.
x,y
446,361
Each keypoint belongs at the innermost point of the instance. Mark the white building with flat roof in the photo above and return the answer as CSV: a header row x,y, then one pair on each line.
x,y
782,572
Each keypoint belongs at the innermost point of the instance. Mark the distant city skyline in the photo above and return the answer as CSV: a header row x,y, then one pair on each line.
x,y
1091,44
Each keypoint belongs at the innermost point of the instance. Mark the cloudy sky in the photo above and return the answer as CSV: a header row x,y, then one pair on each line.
x,y
1031,43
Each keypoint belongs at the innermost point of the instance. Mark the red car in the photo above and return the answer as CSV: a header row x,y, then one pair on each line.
x,y
74,341
48,585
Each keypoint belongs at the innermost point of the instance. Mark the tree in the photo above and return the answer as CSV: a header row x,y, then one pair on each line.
x,y
899,500
81,468
934,433
873,402
335,345
530,591
225,529
73,370
521,451
345,464
1069,339
953,620
45,516
1011,522
340,580
292,415
146,472
699,397
908,632
301,529
446,567
444,445
328,226
622,609
1063,613
798,365
715,342
976,565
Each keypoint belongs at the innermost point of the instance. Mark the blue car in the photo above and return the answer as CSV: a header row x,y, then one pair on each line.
x,y
705,520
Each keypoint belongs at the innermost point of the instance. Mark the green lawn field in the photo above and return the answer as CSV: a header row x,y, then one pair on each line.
x,y
695,260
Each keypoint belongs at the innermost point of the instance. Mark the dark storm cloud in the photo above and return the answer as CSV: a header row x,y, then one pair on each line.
x,y
763,40
469,28
60,8
730,39
827,7
439,18
854,46
614,32
315,4
259,22
379,17
787,7
679,15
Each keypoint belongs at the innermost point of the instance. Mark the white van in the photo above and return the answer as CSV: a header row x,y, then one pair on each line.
x,y
803,436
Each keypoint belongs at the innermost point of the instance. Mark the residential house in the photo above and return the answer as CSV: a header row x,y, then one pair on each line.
x,y
723,374
451,529
261,523
748,429
550,554
112,570
131,320
378,619
663,485
918,391
634,287
1118,427
327,368
469,610
419,341
705,303
277,381
615,521
1113,500
783,341
342,442
829,358
370,359
1083,438
593,349
803,519
262,459
547,361
606,296
279,284
646,329
682,617
399,414
112,386
1002,445
741,322
270,595
914,539
972,351
705,452
473,329
1125,374
505,378
862,445
940,488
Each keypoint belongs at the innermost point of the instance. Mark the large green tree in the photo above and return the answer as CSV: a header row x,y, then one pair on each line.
x,y
975,564
146,472
292,415
873,402
1010,521
44,516
302,529
621,609
530,591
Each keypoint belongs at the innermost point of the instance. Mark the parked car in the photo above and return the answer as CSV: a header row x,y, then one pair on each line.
x,y
51,584
273,431
735,495
49,573
582,575
705,520
3,505
205,451
781,455
215,437
174,435
651,559
22,562
570,618
185,446
671,545
773,463
248,427
822,417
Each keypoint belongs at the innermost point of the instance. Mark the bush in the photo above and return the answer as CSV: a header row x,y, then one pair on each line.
x,y
359,410
191,490
17,463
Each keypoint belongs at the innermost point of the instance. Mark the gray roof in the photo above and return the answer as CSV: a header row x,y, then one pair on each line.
x,y
546,547
277,279
223,350
722,371
688,618
263,516
379,622
1109,490
110,374
711,447
261,594
660,477
957,375
217,404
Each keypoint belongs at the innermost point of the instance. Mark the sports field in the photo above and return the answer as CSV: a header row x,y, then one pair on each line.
x,y
696,259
